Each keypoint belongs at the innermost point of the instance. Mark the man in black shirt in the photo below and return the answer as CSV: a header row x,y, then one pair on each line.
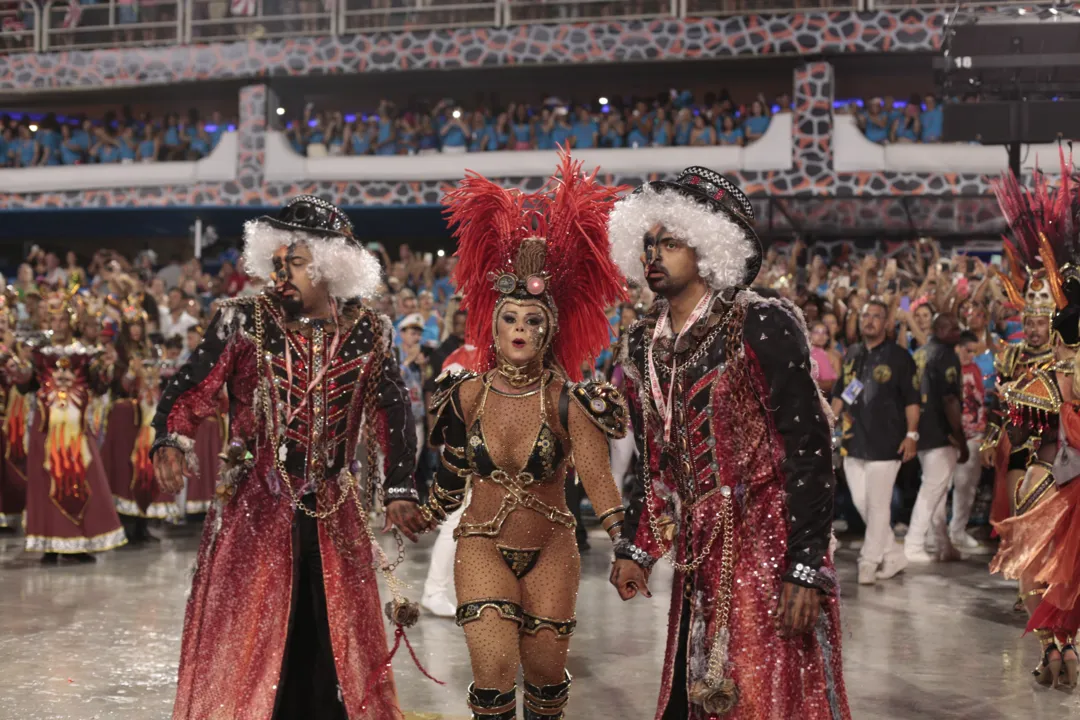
x,y
878,402
941,440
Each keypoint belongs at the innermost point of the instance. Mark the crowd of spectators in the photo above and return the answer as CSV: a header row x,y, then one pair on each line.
x,y
884,120
671,119
81,141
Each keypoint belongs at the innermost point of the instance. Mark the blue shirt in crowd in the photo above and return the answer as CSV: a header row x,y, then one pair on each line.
x,y
522,133
734,137
25,150
146,150
82,139
172,137
51,140
480,137
544,138
933,125
682,133
386,129
560,134
454,137
361,143
612,139
109,154
584,133
127,150
636,138
757,125
200,146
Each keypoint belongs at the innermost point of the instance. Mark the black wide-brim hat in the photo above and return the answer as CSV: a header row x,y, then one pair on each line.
x,y
338,257
702,208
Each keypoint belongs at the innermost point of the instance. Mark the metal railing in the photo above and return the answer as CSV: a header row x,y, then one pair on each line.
x,y
81,24
361,16
224,20
19,23
529,12
719,8
72,25
945,4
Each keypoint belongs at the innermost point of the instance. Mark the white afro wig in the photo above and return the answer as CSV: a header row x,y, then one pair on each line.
x,y
349,270
725,248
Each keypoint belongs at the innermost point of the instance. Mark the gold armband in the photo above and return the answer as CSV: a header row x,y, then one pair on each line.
x,y
992,439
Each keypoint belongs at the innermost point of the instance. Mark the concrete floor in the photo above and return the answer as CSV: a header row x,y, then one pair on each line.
x,y
100,642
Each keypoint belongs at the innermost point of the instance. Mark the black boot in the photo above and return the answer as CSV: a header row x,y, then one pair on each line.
x,y
82,558
546,702
490,704
50,558
140,533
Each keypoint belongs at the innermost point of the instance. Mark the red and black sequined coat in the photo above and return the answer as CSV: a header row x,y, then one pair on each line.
x,y
237,618
751,438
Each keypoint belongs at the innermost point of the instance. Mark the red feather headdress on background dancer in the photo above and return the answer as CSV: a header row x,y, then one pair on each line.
x,y
1043,277
551,247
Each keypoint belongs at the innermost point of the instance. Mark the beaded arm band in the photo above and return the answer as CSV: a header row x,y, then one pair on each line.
x,y
626,550
616,513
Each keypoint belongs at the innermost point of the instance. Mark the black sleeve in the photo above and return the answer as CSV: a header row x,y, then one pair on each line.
x,y
781,348
191,395
632,517
841,382
449,434
908,380
398,434
944,375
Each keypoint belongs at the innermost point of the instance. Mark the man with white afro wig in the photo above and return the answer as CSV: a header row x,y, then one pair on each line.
x,y
284,618
735,441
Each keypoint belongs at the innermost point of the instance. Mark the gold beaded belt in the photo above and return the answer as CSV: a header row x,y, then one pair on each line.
x,y
517,496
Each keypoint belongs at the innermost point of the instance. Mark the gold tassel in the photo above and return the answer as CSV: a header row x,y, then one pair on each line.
x,y
718,699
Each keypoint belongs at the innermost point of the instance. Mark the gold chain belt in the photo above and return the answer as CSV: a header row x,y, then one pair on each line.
x,y
517,496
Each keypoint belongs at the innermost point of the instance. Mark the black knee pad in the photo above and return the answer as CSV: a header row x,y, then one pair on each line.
x,y
546,702
490,704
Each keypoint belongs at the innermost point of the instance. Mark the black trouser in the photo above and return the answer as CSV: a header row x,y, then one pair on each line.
x,y
678,707
308,687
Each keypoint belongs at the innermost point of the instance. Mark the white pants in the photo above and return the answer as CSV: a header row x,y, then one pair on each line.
x,y
929,513
622,455
440,576
965,485
871,483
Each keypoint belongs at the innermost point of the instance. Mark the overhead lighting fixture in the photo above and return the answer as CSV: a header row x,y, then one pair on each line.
x,y
442,253
603,101
33,128
281,111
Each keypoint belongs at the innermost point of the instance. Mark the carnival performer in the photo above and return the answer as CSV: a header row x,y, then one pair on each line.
x,y
69,509
129,435
738,480
284,620
13,405
536,277
1038,420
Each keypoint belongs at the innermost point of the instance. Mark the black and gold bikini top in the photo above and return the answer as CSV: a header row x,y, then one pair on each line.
x,y
547,453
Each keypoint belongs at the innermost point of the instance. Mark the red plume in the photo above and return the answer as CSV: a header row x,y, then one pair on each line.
x,y
1040,210
571,214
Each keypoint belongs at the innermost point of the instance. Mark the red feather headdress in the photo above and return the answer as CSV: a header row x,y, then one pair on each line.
x,y
1043,223
577,279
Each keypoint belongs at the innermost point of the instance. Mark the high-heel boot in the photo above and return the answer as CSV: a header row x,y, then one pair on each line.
x,y
1046,674
488,704
546,702
1070,664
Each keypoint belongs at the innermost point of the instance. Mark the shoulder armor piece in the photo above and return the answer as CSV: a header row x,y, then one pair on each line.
x,y
1006,360
604,405
446,386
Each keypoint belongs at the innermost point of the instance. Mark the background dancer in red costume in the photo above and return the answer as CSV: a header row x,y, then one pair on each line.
x,y
738,479
284,619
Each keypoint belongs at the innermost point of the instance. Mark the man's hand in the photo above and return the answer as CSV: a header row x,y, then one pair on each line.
x,y
987,457
908,449
798,609
965,453
169,469
405,516
628,578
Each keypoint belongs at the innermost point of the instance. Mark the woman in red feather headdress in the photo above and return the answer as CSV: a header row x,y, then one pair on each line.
x,y
536,276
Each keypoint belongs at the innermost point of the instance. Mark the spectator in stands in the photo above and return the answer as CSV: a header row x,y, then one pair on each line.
x,y
684,126
562,132
892,112
48,137
386,139
702,134
70,150
358,136
585,130
128,145
428,140
544,130
661,128
875,122
729,133
6,142
757,122
521,128
174,147
83,138
639,131
932,120
480,132
150,145
107,147
610,137
334,137
455,133
408,134
908,127
25,149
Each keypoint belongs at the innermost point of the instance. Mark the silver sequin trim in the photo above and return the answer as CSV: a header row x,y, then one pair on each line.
x,y
99,543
